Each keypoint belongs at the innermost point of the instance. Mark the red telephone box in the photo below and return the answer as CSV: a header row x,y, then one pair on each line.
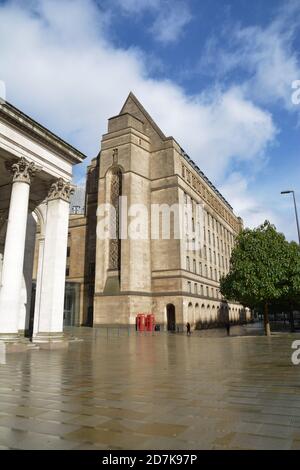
x,y
140,322
150,322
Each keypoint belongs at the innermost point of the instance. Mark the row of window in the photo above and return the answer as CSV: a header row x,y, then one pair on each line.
x,y
200,289
211,222
204,270
208,196
221,244
211,239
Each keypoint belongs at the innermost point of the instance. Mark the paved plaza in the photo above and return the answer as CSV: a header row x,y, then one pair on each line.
x,y
116,390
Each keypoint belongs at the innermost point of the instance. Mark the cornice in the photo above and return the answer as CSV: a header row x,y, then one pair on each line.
x,y
25,124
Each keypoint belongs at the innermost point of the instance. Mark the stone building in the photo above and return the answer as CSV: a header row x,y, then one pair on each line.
x,y
111,280
35,175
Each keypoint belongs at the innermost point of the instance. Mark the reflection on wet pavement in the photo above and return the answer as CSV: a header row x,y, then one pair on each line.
x,y
160,391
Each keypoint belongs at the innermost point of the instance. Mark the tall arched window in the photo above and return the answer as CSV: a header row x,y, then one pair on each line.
x,y
115,243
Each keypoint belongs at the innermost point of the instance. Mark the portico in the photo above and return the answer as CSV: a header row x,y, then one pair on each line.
x,y
35,175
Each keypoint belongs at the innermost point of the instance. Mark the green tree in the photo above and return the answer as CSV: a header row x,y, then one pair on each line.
x,y
290,284
258,267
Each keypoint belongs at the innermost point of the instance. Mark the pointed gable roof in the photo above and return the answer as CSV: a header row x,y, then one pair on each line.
x,y
134,107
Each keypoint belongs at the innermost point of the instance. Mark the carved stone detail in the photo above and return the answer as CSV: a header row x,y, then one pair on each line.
x,y
22,170
115,244
61,189
115,156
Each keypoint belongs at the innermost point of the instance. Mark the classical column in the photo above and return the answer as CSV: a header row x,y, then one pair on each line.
x,y
48,318
12,268
25,307
41,243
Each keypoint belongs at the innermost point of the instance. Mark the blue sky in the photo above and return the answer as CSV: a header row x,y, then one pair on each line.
x,y
217,75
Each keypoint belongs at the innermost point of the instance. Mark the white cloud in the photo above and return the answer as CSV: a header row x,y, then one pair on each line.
x,y
138,6
253,210
69,76
216,129
169,17
267,54
169,24
273,64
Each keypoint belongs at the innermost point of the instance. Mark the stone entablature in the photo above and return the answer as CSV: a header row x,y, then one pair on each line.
x,y
31,128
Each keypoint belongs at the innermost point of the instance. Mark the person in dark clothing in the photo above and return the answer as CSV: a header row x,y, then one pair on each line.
x,y
228,328
188,328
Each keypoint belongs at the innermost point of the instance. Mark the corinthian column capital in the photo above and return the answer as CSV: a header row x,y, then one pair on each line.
x,y
22,170
61,189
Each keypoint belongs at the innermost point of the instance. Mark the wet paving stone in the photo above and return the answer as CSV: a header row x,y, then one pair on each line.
x,y
161,391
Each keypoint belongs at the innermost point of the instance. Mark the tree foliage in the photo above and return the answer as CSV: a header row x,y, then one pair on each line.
x,y
264,270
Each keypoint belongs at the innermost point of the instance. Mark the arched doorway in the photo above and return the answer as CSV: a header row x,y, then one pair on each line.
x,y
190,313
171,318
197,313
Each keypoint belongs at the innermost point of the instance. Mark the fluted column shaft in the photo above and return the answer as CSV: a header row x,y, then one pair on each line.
x,y
49,309
13,259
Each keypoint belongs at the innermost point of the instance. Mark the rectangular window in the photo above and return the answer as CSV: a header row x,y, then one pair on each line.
x,y
195,288
189,284
200,269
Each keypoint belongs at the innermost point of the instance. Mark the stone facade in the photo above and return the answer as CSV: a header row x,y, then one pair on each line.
x,y
115,279
160,276
35,187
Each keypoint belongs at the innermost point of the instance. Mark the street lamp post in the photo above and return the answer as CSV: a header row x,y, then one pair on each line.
x,y
298,229
296,212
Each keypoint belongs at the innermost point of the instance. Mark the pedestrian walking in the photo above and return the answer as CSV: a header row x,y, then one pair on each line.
x,y
228,328
188,328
